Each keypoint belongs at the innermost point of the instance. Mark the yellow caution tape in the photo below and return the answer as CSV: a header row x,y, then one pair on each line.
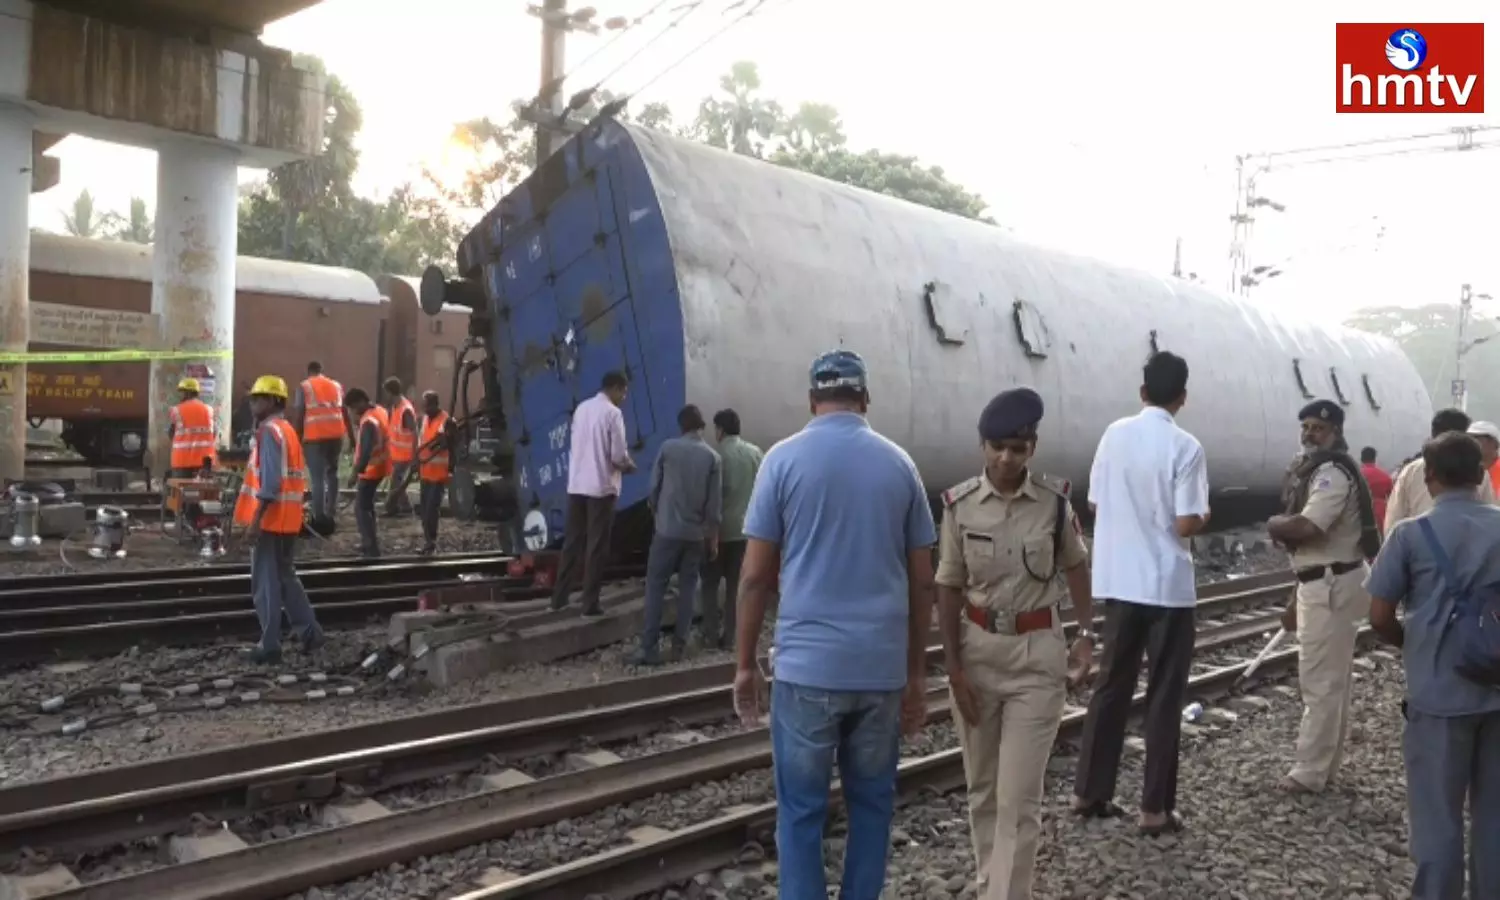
x,y
91,356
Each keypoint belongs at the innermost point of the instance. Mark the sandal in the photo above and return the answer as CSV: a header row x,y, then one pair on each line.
x,y
1099,809
1290,785
1172,825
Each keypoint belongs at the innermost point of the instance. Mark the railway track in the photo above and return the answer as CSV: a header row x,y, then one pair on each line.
x,y
83,813
68,616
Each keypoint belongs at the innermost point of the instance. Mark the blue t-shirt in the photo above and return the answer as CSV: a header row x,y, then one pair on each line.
x,y
845,505
1406,573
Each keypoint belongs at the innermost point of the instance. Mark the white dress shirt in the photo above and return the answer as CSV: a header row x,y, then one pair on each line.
x,y
1146,473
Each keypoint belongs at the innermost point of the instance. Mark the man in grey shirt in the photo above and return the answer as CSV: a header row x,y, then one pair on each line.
x,y
1452,740
740,460
686,502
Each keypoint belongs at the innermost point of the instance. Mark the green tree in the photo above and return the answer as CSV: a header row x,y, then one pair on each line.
x,y
136,228
812,139
1428,335
308,211
83,220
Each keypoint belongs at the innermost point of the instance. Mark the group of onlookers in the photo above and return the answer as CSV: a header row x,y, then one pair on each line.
x,y
836,527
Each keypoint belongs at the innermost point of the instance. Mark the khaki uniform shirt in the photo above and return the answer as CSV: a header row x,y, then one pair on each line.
x,y
1332,505
989,541
1410,497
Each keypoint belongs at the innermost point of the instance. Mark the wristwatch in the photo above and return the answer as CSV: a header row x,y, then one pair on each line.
x,y
1085,634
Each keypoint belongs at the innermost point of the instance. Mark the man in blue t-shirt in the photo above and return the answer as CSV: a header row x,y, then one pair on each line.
x,y
1452,739
839,522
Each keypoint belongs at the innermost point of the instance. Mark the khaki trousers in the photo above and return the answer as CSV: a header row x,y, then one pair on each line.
x,y
1329,612
1019,683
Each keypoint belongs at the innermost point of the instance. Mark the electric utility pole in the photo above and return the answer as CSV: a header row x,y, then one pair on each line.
x,y
1465,308
557,24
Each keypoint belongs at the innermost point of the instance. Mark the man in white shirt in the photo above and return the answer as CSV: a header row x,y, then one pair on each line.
x,y
1149,492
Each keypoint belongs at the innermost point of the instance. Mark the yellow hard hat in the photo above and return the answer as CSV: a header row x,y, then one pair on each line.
x,y
188,384
270,386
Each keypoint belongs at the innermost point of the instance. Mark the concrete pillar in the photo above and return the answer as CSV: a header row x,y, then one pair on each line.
x,y
15,272
193,280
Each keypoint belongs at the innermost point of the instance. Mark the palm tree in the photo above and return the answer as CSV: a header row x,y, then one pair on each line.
x,y
135,230
742,122
82,222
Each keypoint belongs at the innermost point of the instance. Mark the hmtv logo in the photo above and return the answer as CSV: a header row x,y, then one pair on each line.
x,y
1394,68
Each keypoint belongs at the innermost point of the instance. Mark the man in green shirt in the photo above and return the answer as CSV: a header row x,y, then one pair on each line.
x,y
740,460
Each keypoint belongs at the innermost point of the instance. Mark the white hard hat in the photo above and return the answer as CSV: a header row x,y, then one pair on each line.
x,y
1485,429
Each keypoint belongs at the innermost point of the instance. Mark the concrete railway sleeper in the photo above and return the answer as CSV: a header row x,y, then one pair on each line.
x,y
95,820
103,627
1223,599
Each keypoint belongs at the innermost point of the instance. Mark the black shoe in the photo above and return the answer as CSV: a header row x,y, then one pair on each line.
x,y
262,657
642,658
591,612
427,550
558,603
314,643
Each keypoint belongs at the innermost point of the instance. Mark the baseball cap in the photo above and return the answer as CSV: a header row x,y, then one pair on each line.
x,y
838,368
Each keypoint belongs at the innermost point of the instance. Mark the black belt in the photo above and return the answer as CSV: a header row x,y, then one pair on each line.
x,y
1313,573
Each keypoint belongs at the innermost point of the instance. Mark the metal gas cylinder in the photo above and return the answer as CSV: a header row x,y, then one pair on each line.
x,y
26,519
110,525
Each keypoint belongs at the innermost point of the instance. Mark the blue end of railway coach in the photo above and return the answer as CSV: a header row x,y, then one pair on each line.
x,y
584,283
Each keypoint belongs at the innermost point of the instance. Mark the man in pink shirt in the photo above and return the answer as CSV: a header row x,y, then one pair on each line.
x,y
597,457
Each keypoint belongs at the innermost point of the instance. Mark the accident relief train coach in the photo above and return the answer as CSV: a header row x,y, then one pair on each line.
x,y
713,278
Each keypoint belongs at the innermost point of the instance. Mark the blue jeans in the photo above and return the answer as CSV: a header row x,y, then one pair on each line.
x,y
1448,760
810,729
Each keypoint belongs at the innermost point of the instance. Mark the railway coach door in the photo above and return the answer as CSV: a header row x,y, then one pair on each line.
x,y
564,281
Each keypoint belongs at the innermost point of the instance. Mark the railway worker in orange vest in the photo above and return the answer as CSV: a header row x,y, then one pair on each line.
x,y
403,437
318,416
191,429
270,511
372,463
435,456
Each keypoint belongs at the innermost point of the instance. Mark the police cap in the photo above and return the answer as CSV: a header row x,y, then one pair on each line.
x,y
1011,414
1325,410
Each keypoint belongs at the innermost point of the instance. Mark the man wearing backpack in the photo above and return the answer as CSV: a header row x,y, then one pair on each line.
x,y
1444,567
1330,530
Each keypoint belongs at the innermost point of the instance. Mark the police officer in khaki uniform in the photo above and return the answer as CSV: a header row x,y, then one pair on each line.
x,y
1324,540
1008,541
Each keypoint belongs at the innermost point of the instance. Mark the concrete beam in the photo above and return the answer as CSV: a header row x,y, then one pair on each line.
x,y
46,171
243,16
130,84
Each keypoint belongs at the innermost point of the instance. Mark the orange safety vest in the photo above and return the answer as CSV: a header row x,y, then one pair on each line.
x,y
379,465
283,514
434,461
192,434
403,442
323,403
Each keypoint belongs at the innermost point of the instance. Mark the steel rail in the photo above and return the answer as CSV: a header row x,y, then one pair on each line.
x,y
278,868
42,591
653,865
89,809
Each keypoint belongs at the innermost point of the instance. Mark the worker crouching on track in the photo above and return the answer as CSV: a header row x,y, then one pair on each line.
x,y
403,443
435,456
270,510
191,429
1005,536
1330,531
372,463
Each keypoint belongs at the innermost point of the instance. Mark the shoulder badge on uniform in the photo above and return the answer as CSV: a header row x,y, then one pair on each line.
x,y
1055,485
959,491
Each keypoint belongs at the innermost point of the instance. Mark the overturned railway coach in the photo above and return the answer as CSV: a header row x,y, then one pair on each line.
x,y
714,279
285,315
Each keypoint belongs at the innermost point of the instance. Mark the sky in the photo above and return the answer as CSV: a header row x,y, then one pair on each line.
x,y
1107,129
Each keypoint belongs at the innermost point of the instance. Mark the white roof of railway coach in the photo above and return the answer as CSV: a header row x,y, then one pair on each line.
x,y
67,255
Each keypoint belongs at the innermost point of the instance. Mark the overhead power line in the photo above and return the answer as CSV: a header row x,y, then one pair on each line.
x,y
754,7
